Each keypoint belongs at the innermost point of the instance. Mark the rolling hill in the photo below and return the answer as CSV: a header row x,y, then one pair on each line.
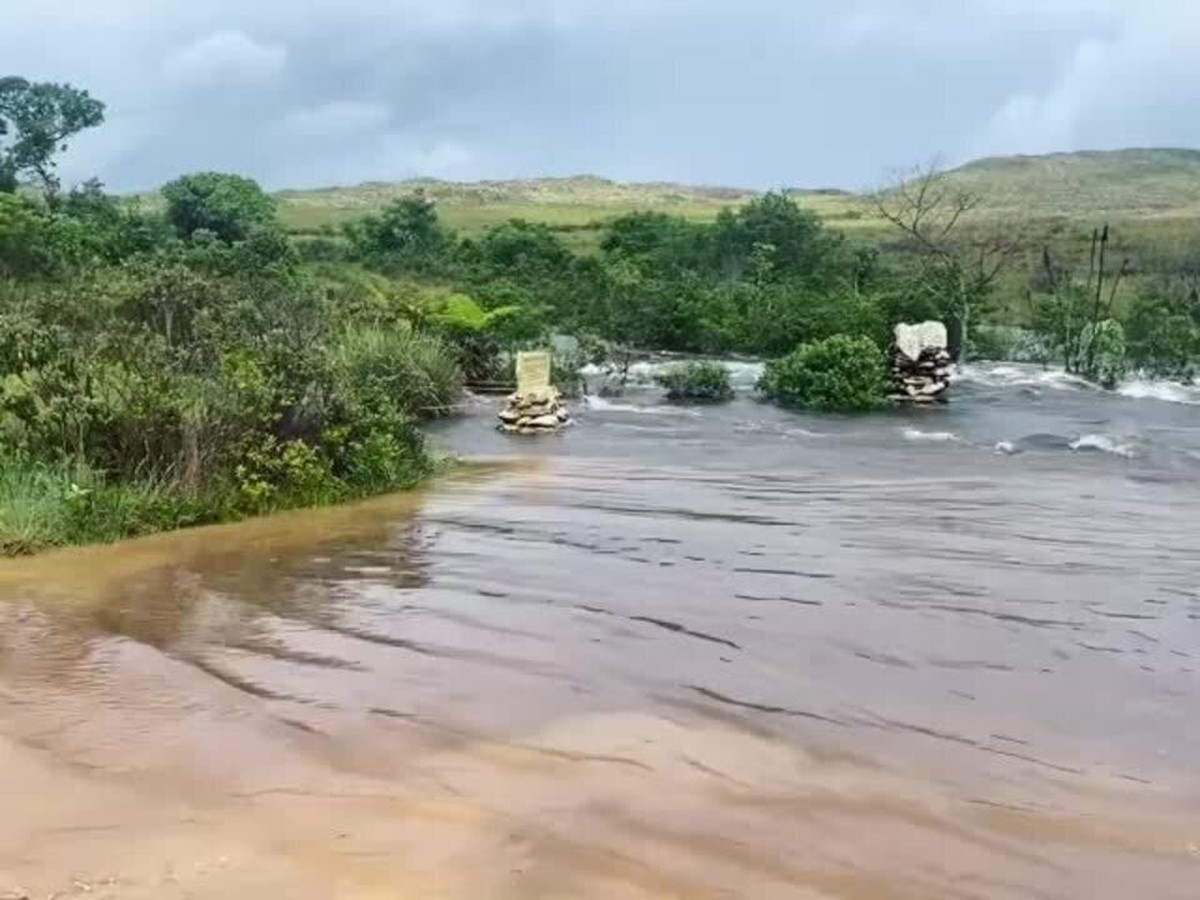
x,y
1091,183
1086,186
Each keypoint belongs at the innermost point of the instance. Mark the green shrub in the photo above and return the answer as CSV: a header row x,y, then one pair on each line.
x,y
1163,339
410,372
387,461
840,373
1103,352
704,382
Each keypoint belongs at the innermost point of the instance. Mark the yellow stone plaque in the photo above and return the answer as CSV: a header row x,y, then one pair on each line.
x,y
533,372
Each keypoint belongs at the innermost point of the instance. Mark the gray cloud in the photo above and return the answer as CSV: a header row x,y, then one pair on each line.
x,y
752,92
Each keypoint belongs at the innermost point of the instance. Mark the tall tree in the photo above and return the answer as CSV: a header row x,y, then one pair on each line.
x,y
960,258
36,121
802,246
228,206
406,235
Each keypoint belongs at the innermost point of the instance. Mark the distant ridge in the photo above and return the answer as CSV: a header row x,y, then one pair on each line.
x,y
1090,184
1140,181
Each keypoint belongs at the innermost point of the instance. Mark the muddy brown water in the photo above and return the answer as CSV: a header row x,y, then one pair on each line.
x,y
674,653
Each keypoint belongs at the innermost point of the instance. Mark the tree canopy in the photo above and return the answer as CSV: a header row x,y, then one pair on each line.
x,y
229,207
36,121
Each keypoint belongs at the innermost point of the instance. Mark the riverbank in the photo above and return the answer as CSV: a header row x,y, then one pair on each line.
x,y
47,506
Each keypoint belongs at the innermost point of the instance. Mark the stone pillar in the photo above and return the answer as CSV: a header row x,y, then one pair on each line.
x,y
920,363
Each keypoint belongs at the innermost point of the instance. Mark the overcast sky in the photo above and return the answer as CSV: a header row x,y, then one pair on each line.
x,y
756,93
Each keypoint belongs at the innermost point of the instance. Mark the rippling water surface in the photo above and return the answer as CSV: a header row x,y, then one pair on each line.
x,y
673,652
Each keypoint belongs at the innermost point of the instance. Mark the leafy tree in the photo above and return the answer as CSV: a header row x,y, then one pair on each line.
x,y
520,263
114,231
228,206
657,242
89,203
799,244
406,236
520,248
36,121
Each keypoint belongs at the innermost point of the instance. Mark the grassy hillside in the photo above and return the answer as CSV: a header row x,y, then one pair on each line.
x,y
569,203
574,201
1097,184
1086,187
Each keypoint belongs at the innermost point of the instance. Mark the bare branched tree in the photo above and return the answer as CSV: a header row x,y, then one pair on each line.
x,y
961,257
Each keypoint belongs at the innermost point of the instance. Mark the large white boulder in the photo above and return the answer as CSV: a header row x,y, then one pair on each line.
x,y
912,339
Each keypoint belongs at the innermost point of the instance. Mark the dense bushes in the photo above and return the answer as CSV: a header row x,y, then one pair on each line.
x,y
1163,335
840,373
758,280
199,380
1080,321
705,382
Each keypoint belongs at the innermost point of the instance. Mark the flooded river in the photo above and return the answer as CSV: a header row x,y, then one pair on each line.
x,y
723,652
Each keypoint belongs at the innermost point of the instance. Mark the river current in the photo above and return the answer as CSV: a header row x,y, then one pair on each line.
x,y
707,652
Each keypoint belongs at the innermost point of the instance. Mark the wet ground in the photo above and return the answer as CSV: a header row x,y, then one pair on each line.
x,y
717,652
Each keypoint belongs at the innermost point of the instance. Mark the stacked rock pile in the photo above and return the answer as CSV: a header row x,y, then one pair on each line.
x,y
920,363
534,412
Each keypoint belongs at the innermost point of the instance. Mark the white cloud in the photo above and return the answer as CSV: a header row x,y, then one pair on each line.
x,y
1136,87
222,57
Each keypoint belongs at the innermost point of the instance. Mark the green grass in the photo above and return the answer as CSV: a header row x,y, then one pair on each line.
x,y
1098,184
583,203
1122,185
44,505
568,203
32,504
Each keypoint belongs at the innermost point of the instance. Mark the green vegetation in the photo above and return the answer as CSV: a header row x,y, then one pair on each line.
x,y
227,207
185,358
1079,321
565,204
837,374
1155,190
1105,352
1088,185
196,381
986,272
1162,331
697,382
46,504
173,368
36,121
